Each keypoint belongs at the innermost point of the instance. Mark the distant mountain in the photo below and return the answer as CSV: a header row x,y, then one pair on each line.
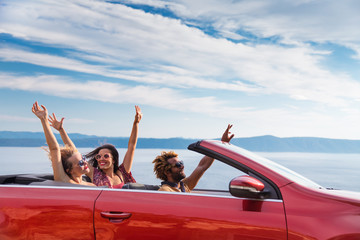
x,y
258,144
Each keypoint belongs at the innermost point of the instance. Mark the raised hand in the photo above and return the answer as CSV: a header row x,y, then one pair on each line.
x,y
227,136
58,125
138,114
40,113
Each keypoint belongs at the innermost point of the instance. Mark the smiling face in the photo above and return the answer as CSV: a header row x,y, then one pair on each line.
x,y
176,172
105,159
79,165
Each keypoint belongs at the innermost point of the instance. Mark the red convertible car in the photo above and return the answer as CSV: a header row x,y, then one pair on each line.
x,y
264,201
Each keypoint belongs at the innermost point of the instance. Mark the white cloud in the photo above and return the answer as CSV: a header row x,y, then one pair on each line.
x,y
196,60
293,22
282,122
115,93
301,81
251,121
14,118
10,118
165,57
301,20
171,76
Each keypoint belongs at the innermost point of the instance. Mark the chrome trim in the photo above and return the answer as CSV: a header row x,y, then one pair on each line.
x,y
136,191
52,187
192,194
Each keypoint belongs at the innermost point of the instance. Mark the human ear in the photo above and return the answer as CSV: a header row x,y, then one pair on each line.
x,y
168,172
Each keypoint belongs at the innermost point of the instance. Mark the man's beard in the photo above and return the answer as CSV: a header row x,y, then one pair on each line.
x,y
178,176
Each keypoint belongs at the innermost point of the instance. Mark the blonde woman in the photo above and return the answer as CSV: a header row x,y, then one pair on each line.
x,y
67,163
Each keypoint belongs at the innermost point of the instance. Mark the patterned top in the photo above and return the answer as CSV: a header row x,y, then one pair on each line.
x,y
100,178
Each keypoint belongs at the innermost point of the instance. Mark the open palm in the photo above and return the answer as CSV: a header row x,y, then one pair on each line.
x,y
58,125
39,112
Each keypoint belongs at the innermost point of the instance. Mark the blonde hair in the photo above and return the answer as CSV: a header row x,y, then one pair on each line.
x,y
65,152
161,165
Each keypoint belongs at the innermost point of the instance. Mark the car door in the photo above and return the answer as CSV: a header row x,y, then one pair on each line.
x,y
39,212
145,214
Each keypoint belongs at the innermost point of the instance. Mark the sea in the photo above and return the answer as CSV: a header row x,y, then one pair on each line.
x,y
338,171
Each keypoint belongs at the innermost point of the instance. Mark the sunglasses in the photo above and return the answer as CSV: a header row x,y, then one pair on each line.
x,y
82,161
179,164
105,156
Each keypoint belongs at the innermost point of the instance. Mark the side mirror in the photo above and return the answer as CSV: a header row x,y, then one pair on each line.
x,y
246,187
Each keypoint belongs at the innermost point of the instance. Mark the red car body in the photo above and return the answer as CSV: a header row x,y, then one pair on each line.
x,y
269,202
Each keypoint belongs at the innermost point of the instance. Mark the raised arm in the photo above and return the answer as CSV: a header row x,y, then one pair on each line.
x,y
54,149
129,156
206,162
58,125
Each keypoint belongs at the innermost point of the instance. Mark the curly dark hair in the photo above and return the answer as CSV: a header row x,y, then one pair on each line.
x,y
115,155
161,164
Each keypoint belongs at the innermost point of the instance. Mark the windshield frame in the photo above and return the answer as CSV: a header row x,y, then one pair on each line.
x,y
286,173
280,169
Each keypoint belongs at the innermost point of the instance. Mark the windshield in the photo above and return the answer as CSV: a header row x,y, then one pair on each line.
x,y
289,174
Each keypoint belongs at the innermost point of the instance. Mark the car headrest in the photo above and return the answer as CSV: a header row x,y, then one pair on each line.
x,y
140,186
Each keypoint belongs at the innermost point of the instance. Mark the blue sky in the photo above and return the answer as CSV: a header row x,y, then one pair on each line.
x,y
283,67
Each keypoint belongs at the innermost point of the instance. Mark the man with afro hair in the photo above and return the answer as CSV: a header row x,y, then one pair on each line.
x,y
170,169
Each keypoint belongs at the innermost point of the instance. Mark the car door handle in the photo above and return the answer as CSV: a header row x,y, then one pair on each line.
x,y
116,217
